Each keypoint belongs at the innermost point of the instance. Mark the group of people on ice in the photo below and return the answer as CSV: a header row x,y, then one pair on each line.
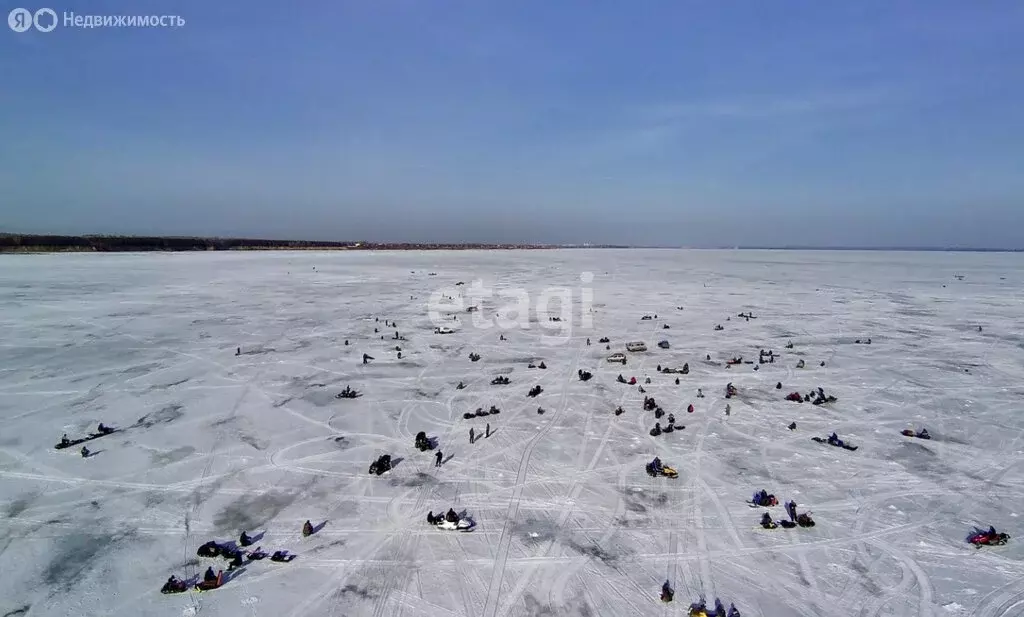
x,y
450,520
795,520
236,558
699,608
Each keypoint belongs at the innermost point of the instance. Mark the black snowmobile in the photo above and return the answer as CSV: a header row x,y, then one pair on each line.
x,y
174,585
381,466
348,392
534,391
422,443
210,549
834,440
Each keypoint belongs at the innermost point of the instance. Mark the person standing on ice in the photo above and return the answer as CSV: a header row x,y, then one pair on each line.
x,y
487,431
437,458
471,435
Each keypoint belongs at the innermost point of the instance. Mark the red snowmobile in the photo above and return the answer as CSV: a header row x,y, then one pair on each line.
x,y
988,538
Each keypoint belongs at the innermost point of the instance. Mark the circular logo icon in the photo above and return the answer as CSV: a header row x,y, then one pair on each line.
x,y
45,25
20,20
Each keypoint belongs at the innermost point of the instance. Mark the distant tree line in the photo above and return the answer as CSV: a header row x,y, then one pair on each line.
x,y
28,243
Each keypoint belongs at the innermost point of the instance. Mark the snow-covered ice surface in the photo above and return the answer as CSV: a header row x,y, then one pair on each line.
x,y
568,523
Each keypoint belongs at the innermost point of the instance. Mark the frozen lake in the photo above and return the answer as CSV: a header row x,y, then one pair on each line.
x,y
568,522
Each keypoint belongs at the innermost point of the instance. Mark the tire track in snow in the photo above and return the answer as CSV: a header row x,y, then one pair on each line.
x,y
570,500
491,605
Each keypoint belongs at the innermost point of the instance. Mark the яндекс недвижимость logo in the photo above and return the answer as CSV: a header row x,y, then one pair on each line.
x,y
46,20
20,20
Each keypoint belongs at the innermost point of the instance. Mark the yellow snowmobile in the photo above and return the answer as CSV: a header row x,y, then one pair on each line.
x,y
656,468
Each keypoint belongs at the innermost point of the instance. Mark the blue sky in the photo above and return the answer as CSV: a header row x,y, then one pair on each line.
x,y
674,122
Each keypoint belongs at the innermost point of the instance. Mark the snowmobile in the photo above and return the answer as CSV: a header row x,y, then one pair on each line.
x,y
209,549
649,403
540,411
500,380
450,521
795,397
764,499
534,391
493,411
473,357
669,429
655,468
281,557
381,466
792,426
988,538
348,392
584,375
921,435
833,440
719,328
257,554
619,411
422,443
658,413
174,585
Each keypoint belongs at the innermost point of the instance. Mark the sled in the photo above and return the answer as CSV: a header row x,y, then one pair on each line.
x,y
462,525
669,472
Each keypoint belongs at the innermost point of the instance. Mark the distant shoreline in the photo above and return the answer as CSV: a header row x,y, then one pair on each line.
x,y
38,243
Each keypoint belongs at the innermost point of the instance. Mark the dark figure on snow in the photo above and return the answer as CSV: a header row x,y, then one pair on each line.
x,y
472,435
666,592
85,452
173,585
210,575
778,385
104,430
244,539
236,561
366,358
281,556
487,431
451,516
437,458
677,381
64,441
307,529
238,351
792,426
767,522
